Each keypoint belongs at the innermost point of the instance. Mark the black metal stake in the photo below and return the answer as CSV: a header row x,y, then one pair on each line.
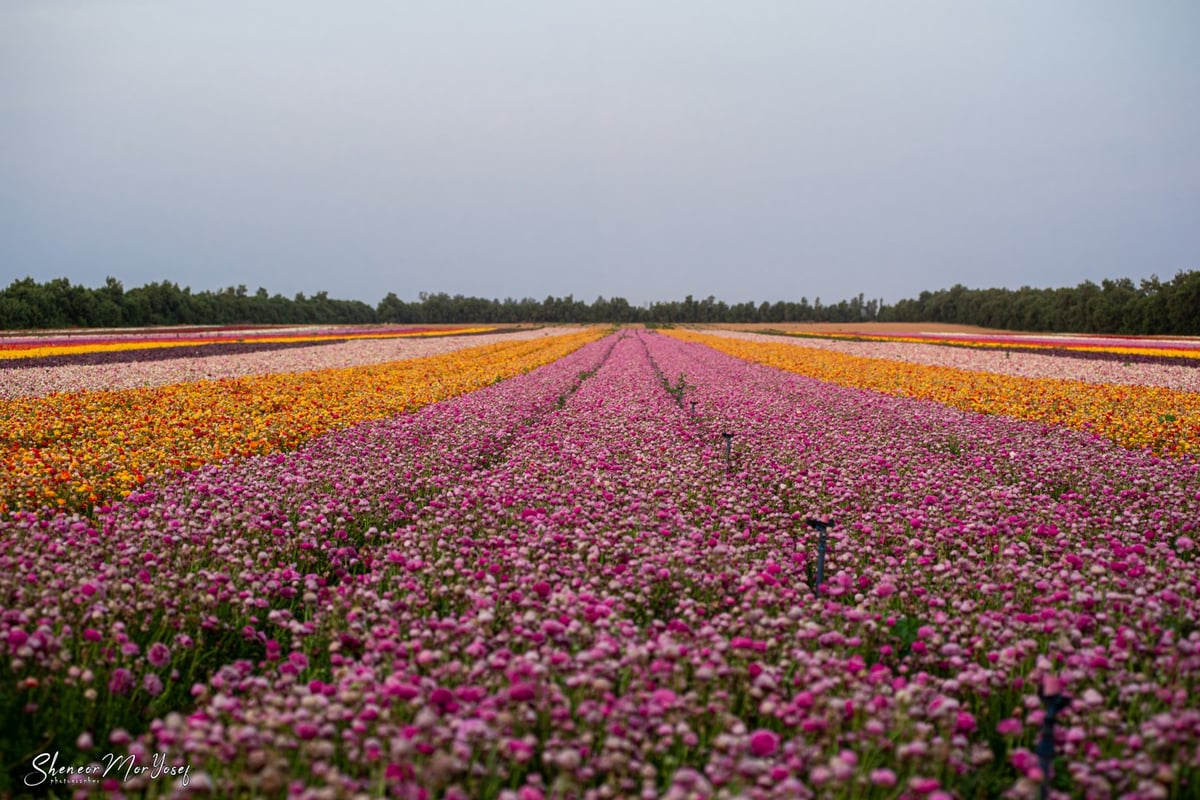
x,y
728,454
822,526
1054,704
693,407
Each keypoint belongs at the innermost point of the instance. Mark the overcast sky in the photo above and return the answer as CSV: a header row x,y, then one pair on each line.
x,y
647,149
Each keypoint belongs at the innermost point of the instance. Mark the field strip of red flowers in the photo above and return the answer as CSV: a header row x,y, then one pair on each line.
x,y
598,579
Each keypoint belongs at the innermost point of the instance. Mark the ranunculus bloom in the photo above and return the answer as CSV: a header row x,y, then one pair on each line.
x,y
522,692
1009,726
883,777
159,655
121,681
152,684
764,743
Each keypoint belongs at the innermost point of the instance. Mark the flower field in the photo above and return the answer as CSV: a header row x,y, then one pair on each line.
x,y
1141,414
77,449
126,369
14,348
595,579
1177,369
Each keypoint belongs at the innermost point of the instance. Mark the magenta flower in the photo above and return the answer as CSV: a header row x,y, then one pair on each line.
x,y
764,743
444,701
522,692
159,655
1009,726
306,730
922,785
121,681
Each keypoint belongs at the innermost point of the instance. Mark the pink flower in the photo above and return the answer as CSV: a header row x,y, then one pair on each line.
x,y
405,691
764,743
1009,726
121,681
522,692
307,730
883,777
152,684
443,698
159,655
924,785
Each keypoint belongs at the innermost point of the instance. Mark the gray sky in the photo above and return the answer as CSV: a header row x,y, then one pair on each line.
x,y
746,149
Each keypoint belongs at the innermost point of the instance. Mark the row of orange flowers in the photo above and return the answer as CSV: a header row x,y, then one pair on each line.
x,y
1163,420
57,347
80,449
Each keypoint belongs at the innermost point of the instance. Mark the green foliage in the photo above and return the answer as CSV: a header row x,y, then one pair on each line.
x,y
26,304
1114,307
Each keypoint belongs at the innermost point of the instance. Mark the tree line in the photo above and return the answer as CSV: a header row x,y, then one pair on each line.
x,y
61,304
1114,306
